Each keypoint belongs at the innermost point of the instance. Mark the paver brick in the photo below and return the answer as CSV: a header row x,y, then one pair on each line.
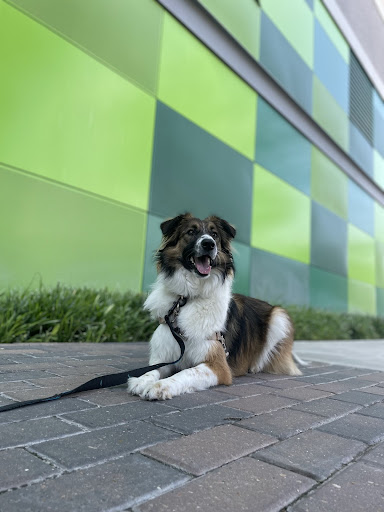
x,y
303,394
376,410
27,375
209,449
194,420
100,445
287,383
191,400
246,390
359,488
316,454
375,455
116,485
261,403
345,385
283,423
32,431
118,414
243,485
45,410
375,377
377,390
356,426
358,397
18,467
327,407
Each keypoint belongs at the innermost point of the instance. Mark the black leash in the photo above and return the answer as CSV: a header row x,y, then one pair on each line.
x,y
115,379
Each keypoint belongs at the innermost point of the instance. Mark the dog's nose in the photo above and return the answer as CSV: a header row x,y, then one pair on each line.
x,y
208,244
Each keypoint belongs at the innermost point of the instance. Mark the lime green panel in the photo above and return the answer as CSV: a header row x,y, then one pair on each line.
x,y
332,30
67,117
330,116
200,87
295,20
361,255
281,217
241,19
329,185
111,31
379,263
53,233
379,222
378,168
361,297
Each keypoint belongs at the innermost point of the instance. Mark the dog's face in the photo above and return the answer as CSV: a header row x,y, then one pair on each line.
x,y
199,246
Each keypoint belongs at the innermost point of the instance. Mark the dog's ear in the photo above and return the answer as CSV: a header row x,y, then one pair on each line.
x,y
225,226
168,227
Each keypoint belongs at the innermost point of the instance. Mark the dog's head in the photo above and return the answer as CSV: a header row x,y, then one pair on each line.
x,y
199,246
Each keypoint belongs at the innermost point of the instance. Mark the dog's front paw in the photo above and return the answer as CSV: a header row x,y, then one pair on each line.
x,y
136,385
158,391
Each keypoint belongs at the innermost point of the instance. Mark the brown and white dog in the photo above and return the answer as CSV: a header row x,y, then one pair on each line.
x,y
195,261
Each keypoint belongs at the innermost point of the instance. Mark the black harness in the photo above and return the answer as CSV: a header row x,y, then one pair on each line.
x,y
116,379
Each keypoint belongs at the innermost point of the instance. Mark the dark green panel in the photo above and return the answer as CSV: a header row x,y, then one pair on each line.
x,y
380,301
125,34
285,65
53,233
328,240
242,256
282,149
279,280
194,171
328,291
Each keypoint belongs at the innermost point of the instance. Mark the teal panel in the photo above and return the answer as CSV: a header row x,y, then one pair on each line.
x,y
279,280
153,241
328,240
331,67
380,301
284,64
282,149
242,257
124,35
360,149
241,20
56,234
361,208
328,291
194,171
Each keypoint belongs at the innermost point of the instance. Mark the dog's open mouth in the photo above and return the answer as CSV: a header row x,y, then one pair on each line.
x,y
203,264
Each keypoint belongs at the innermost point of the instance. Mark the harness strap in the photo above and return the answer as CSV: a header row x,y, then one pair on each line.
x,y
115,379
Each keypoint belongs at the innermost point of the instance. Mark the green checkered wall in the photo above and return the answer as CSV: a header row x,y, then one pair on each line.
x,y
112,124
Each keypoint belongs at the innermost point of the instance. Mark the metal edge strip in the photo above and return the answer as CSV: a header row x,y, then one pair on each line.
x,y
198,21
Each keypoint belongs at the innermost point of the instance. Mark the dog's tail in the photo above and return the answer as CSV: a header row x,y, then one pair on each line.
x,y
299,361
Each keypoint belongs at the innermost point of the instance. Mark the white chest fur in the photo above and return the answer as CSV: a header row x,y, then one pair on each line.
x,y
204,314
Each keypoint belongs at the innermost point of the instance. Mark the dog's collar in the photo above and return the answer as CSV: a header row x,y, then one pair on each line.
x,y
172,318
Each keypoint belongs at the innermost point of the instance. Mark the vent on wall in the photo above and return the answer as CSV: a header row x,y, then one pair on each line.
x,y
360,99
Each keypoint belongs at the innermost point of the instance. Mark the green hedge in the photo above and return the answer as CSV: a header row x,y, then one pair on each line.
x,y
65,314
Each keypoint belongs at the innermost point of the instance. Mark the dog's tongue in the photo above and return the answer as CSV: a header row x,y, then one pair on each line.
x,y
203,265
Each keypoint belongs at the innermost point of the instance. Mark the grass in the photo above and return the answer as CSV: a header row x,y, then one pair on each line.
x,y
65,314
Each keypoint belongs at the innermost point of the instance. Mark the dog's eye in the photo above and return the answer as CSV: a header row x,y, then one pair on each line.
x,y
214,235
191,232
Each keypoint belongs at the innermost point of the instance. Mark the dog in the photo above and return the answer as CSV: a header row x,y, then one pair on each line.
x,y
226,335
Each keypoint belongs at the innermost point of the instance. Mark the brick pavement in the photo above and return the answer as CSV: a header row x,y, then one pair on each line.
x,y
267,443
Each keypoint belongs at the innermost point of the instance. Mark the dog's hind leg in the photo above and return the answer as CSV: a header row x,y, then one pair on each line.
x,y
276,355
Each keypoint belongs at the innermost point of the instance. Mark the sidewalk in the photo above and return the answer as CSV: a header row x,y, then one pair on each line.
x,y
267,443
